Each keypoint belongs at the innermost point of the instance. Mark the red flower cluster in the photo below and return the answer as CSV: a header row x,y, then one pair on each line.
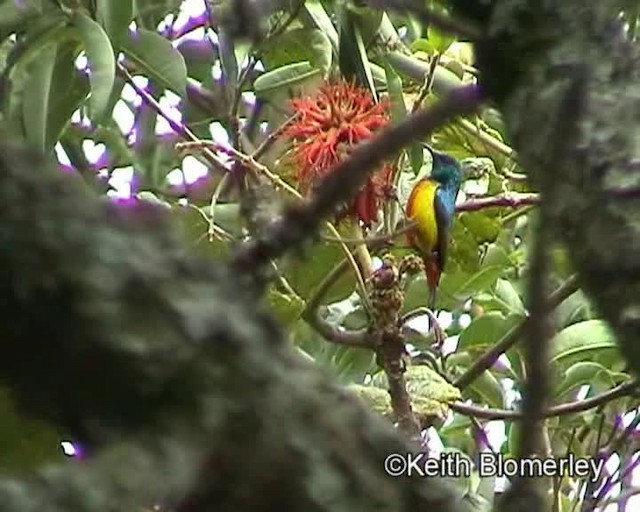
x,y
325,128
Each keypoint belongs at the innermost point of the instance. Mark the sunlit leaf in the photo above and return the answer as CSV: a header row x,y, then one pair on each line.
x,y
586,340
102,63
157,58
284,77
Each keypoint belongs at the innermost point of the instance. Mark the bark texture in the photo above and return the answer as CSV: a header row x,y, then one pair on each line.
x,y
166,369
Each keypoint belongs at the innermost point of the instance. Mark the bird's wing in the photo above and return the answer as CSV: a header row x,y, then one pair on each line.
x,y
443,221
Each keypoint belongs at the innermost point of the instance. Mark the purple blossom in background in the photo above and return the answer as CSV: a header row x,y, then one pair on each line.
x,y
72,449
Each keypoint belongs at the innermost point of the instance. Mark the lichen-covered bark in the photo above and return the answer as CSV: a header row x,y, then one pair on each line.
x,y
164,367
566,78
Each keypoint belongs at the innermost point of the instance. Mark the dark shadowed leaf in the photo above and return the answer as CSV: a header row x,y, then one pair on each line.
x,y
53,94
115,17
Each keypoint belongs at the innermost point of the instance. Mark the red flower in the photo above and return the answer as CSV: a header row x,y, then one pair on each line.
x,y
325,128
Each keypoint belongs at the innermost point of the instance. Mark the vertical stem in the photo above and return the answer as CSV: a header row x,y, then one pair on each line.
x,y
362,254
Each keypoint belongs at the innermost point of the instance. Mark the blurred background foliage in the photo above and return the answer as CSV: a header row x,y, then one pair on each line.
x,y
110,86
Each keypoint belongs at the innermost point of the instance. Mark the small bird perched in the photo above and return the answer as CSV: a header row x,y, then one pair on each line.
x,y
432,205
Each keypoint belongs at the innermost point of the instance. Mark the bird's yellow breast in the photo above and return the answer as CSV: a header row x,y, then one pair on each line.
x,y
420,208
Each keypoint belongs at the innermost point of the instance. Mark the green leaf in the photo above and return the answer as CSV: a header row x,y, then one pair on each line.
x,y
460,286
54,92
396,95
586,340
305,274
487,329
353,59
283,77
348,364
102,63
297,45
37,93
507,295
316,12
151,12
115,16
25,444
438,40
578,375
194,227
44,31
573,309
14,15
488,389
158,59
286,308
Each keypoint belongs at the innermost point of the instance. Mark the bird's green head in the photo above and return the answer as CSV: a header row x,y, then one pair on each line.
x,y
446,169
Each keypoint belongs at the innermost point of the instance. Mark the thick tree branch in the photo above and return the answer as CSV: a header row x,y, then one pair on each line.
x,y
168,371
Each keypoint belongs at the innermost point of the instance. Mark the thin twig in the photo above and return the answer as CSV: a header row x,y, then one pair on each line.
x,y
179,128
565,409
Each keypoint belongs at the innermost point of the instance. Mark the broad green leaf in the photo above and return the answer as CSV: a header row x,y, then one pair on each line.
x,y
355,320
149,13
421,45
44,31
52,96
195,230
573,309
483,226
14,14
298,45
588,340
461,286
367,20
577,375
507,295
115,17
444,81
488,389
487,329
321,19
439,40
102,63
286,308
36,101
157,58
354,63
349,365
496,255
283,77
396,95
305,274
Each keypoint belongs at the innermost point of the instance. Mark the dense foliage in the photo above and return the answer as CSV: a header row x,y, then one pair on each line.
x,y
263,103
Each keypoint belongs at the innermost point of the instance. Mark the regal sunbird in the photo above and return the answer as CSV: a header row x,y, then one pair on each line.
x,y
432,205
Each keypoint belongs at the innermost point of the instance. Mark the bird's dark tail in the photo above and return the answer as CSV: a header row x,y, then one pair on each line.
x,y
432,271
